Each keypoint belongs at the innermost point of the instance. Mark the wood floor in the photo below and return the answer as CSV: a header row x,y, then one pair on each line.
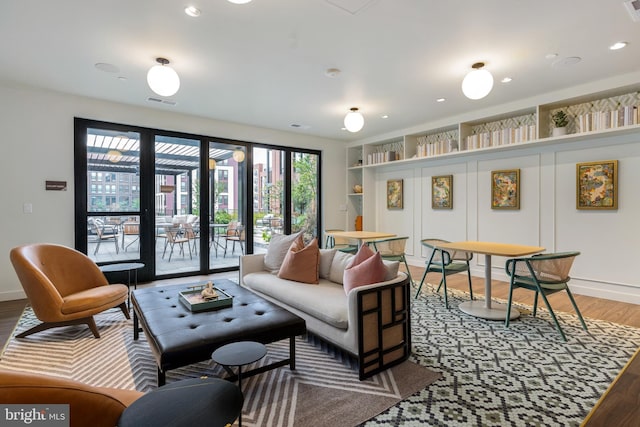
x,y
620,403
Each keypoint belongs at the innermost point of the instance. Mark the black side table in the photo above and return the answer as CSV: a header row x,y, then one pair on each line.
x,y
128,267
239,354
186,403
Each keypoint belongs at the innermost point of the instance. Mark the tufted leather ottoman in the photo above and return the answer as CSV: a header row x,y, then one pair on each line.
x,y
178,337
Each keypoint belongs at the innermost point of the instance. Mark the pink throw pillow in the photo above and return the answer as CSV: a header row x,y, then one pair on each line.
x,y
302,263
366,268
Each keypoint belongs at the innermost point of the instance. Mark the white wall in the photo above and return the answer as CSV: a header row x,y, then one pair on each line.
x,y
607,240
36,137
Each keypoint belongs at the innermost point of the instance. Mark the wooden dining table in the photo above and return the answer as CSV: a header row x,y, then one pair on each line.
x,y
361,236
487,309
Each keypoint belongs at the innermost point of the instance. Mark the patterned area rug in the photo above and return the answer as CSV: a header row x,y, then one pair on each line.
x,y
323,390
522,376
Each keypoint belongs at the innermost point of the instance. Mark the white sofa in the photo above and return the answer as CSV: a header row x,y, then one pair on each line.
x,y
372,322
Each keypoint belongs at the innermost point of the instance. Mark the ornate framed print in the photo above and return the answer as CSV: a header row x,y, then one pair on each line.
x,y
442,192
394,194
505,189
597,185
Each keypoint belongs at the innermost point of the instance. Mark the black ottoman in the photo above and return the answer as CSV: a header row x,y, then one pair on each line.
x,y
178,337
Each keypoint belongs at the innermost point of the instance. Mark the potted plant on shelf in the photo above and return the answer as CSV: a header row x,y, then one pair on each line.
x,y
560,121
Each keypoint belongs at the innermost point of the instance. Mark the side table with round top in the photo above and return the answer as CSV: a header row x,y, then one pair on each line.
x,y
186,403
239,354
128,267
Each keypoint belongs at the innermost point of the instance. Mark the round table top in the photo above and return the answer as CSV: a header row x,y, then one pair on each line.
x,y
186,403
121,266
239,353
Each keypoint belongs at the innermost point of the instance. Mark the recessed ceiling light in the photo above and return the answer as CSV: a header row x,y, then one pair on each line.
x,y
332,72
386,116
506,80
122,78
192,11
617,45
551,55
441,99
239,1
566,62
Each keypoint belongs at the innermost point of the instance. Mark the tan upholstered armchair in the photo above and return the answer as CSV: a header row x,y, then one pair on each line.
x,y
88,405
64,286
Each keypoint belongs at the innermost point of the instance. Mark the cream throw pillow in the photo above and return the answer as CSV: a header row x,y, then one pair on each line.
x,y
277,250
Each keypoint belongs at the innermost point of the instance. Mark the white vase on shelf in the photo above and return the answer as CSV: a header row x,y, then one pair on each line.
x,y
559,131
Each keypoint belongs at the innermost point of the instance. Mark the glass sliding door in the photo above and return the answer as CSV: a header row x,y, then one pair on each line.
x,y
112,195
185,204
227,204
268,196
305,194
177,205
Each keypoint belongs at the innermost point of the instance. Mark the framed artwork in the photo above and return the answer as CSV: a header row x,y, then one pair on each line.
x,y
442,192
394,194
505,189
597,185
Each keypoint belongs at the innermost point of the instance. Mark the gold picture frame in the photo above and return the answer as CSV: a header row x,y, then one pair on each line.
x,y
597,185
394,194
505,189
442,192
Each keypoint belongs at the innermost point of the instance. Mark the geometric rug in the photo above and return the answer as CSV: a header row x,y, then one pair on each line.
x,y
323,390
525,375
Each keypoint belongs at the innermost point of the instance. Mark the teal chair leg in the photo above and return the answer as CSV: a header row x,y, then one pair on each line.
x,y
469,276
421,282
407,267
535,304
575,307
506,321
553,315
444,282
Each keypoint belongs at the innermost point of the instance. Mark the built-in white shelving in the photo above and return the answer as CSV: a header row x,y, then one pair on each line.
x,y
611,112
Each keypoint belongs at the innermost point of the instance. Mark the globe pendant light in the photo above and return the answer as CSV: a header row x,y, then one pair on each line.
x,y
478,83
163,79
238,155
353,121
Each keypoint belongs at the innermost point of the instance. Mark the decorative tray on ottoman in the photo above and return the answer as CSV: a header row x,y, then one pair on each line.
x,y
194,301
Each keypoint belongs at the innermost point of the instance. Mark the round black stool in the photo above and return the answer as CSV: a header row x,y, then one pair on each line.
x,y
188,403
239,354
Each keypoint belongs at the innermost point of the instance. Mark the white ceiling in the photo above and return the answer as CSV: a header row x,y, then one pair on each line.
x,y
264,63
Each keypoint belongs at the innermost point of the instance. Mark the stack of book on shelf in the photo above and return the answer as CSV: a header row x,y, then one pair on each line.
x,y
382,157
504,136
434,148
600,120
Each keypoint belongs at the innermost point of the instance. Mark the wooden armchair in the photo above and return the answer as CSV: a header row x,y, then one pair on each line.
x,y
64,286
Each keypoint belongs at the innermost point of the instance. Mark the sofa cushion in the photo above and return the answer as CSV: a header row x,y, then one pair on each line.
x,y
326,258
301,262
325,301
276,251
339,263
365,268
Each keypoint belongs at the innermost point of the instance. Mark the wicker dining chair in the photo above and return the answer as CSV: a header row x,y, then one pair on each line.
x,y
446,263
544,274
392,249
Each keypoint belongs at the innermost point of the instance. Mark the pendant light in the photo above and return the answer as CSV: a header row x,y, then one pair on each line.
x,y
477,83
163,79
353,121
238,155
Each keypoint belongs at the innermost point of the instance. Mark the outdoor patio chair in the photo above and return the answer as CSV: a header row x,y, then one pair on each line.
x,y
392,249
174,238
340,243
64,286
445,263
236,234
544,274
102,232
192,234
